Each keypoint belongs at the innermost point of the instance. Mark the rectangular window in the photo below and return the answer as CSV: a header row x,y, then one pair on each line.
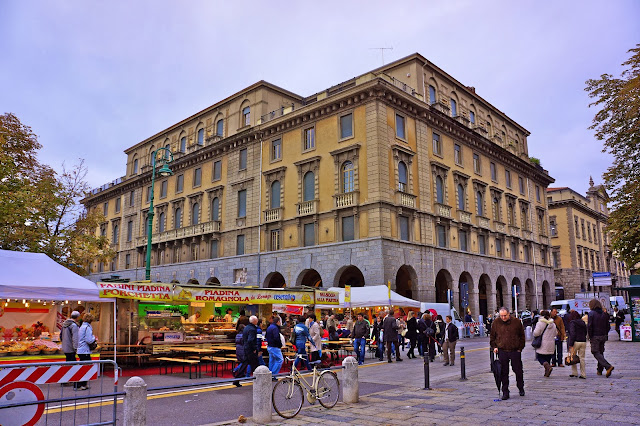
x,y
183,144
163,189
348,228
442,235
116,234
309,234
275,239
514,252
129,230
194,252
400,129
242,203
403,224
309,139
476,163
217,170
219,127
105,208
554,228
527,255
200,137
276,149
482,248
132,198
472,117
214,249
494,174
457,154
462,236
197,177
432,95
454,108
507,177
176,255
437,145
118,205
239,245
556,261
521,184
243,159
179,183
127,261
246,116
537,193
498,248
148,193
346,126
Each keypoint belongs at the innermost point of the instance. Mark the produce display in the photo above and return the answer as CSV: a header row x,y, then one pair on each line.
x,y
32,347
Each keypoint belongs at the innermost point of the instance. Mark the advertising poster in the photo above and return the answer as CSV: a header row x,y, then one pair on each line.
x,y
625,333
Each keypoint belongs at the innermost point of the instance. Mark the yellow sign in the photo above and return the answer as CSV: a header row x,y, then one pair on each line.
x,y
327,297
347,294
247,296
155,292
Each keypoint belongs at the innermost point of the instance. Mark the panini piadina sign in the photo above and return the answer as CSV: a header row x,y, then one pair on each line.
x,y
153,292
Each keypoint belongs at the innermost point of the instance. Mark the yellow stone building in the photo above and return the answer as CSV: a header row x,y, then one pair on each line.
x,y
401,174
580,242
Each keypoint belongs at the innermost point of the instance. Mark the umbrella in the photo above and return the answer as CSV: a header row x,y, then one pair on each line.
x,y
433,312
496,369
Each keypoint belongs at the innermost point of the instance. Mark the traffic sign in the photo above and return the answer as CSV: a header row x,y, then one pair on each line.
x,y
17,392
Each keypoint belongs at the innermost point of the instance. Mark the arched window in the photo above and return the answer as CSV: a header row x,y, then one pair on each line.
x,y
275,195
347,177
167,153
177,219
439,190
135,166
215,209
454,108
201,137
195,214
219,125
246,116
479,204
402,177
309,187
152,151
183,144
161,222
461,197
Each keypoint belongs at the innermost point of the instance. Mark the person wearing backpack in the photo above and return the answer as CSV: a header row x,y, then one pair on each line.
x,y
301,335
69,336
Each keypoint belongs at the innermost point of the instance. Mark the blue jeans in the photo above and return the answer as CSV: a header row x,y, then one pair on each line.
x,y
381,349
557,357
360,345
275,359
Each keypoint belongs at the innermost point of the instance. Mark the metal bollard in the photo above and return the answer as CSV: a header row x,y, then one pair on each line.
x,y
426,372
463,371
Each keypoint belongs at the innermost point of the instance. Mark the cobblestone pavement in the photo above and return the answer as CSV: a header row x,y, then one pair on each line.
x,y
554,400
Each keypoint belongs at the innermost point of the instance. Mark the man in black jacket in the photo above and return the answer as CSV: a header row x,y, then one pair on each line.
x,y
390,335
449,341
598,327
429,337
360,336
250,343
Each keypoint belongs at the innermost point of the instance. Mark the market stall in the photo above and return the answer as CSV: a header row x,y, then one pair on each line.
x,y
369,296
36,296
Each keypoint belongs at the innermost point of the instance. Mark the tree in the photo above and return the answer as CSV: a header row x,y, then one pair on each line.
x,y
617,124
40,210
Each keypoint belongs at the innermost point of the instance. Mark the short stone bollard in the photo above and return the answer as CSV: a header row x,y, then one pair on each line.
x,y
135,402
350,384
262,389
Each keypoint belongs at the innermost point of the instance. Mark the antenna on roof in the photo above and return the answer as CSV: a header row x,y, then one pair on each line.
x,y
381,49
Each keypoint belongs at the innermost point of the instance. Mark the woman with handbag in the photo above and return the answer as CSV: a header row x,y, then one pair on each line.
x,y
544,340
86,343
577,344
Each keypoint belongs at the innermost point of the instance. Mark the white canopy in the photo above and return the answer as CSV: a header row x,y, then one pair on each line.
x,y
37,276
375,295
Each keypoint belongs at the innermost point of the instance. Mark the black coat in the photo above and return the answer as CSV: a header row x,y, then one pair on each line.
x,y
598,323
390,328
412,328
453,332
250,340
577,332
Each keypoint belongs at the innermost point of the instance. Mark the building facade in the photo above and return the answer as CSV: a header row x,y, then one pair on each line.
x,y
402,174
580,241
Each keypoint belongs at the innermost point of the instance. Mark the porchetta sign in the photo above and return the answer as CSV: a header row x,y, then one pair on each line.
x,y
156,292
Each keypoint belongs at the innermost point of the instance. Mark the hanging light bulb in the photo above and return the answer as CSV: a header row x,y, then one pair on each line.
x,y
26,305
79,302
24,300
6,304
8,300
38,300
66,302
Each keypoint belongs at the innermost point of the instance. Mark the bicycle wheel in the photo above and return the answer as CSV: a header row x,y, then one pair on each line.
x,y
287,398
328,389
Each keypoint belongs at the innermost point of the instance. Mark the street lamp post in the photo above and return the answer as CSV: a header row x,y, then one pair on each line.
x,y
164,171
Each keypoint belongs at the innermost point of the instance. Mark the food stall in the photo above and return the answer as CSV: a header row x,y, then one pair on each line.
x,y
36,296
630,332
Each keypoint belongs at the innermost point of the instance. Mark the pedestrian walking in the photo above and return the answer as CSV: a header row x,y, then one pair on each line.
x,y
546,327
577,343
86,340
618,317
560,336
239,355
249,348
316,335
449,341
274,345
390,334
598,329
378,336
440,325
422,329
402,330
429,337
507,340
412,333
302,336
360,334
69,336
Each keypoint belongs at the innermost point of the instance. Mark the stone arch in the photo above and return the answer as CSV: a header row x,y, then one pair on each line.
x,y
501,292
349,275
213,281
465,277
530,295
405,279
193,281
546,295
443,285
274,280
309,278
485,304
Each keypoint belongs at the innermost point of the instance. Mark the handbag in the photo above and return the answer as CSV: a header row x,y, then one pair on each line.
x,y
93,345
572,358
537,341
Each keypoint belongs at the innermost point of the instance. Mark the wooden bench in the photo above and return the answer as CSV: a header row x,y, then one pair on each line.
x,y
190,362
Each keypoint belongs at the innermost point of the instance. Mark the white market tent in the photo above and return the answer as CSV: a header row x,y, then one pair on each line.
x,y
37,276
375,295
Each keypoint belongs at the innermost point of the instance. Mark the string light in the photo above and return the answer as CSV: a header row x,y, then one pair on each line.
x,y
66,302
24,301
38,300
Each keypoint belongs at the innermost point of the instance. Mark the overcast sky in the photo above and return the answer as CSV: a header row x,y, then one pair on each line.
x,y
94,78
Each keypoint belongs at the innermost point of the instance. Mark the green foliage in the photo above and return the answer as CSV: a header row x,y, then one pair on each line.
x,y
534,160
617,124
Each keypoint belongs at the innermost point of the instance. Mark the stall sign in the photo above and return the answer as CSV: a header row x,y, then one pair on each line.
x,y
328,297
156,292
167,336
249,296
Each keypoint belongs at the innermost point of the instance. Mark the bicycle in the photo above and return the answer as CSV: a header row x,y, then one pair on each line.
x,y
287,395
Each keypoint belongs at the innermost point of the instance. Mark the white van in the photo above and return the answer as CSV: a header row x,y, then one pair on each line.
x,y
444,310
563,306
618,301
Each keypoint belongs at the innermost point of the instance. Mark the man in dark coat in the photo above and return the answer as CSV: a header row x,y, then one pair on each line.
x,y
449,341
390,335
507,340
250,346
429,336
598,328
